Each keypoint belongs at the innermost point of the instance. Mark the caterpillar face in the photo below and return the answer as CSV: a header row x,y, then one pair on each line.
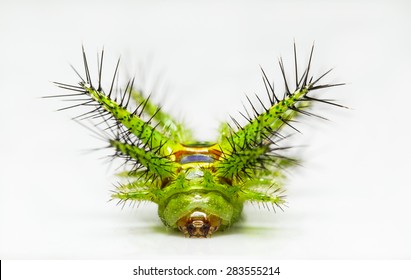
x,y
198,224
199,187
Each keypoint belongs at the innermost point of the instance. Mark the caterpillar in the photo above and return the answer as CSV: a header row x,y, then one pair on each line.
x,y
199,187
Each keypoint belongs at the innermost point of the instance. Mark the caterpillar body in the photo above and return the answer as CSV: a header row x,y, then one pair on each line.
x,y
199,187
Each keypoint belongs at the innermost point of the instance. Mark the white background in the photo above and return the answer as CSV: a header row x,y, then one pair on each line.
x,y
351,198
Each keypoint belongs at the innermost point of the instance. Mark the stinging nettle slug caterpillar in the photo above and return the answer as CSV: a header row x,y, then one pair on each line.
x,y
199,187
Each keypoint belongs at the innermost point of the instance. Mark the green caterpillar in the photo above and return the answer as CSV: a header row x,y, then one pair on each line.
x,y
199,187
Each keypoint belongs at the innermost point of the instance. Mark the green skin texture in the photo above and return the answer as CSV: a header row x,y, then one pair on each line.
x,y
219,188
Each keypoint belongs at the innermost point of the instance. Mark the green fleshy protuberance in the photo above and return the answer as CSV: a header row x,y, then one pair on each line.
x,y
248,149
141,129
140,190
240,162
155,165
264,124
260,196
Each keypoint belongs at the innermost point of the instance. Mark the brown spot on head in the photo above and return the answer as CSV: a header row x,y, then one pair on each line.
x,y
198,224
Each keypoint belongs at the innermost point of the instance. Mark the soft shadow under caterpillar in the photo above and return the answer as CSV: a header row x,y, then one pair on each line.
x,y
199,187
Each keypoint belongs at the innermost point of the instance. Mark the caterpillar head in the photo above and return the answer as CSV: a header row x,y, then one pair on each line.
x,y
197,214
199,224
